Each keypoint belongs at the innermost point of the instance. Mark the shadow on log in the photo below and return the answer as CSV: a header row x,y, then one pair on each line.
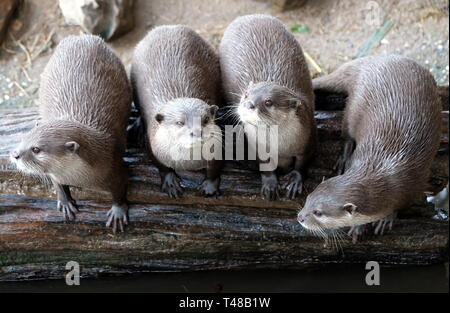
x,y
237,230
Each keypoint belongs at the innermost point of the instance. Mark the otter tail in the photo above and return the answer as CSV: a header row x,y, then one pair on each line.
x,y
331,91
340,81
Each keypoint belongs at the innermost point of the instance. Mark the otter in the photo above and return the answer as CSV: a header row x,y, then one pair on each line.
x,y
84,103
175,76
392,129
265,75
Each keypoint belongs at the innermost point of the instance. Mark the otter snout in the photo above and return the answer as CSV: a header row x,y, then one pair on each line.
x,y
300,218
307,220
15,154
196,133
250,105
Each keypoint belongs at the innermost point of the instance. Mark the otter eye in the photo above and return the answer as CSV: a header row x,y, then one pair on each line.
x,y
268,103
317,213
35,150
180,123
205,120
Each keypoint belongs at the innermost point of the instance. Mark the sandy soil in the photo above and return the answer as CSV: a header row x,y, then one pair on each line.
x,y
336,32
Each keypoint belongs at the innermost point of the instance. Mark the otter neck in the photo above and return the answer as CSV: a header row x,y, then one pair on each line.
x,y
375,194
95,155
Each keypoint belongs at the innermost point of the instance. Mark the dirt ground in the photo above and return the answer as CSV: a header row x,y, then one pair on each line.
x,y
333,32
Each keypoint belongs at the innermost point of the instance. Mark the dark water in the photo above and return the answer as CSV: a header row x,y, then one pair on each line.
x,y
330,279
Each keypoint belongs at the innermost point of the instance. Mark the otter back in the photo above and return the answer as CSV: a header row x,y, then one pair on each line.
x,y
77,83
258,48
393,114
174,62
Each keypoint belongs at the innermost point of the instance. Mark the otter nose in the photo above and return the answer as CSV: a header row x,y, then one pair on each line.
x,y
15,155
249,105
196,133
300,218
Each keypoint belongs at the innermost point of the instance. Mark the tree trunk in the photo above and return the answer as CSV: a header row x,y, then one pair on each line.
x,y
236,230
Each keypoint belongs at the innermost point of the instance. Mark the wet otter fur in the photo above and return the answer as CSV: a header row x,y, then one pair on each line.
x,y
392,129
84,104
265,76
176,81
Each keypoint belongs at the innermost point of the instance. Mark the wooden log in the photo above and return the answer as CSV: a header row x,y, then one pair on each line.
x,y
236,230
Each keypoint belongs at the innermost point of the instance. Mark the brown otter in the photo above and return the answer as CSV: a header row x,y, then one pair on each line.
x,y
391,123
265,75
176,80
85,101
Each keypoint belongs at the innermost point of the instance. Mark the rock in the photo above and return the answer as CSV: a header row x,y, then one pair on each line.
x,y
106,18
7,8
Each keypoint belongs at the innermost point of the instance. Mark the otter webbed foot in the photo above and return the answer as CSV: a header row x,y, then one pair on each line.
x,y
342,162
66,204
171,185
69,208
117,217
358,232
381,224
339,167
293,184
377,228
270,189
209,188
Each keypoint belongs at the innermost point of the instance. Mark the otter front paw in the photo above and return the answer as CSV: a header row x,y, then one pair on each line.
x,y
339,167
270,189
357,232
68,208
209,188
117,216
293,184
381,224
171,185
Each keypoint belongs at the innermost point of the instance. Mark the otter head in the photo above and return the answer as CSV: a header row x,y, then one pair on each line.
x,y
333,204
187,122
51,148
267,103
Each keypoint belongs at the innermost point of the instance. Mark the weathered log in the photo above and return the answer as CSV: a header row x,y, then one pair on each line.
x,y
236,230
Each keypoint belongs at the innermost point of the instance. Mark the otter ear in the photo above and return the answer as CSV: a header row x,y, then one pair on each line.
x,y
350,208
159,118
72,146
213,109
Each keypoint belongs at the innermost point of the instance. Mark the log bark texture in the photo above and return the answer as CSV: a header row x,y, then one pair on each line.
x,y
234,231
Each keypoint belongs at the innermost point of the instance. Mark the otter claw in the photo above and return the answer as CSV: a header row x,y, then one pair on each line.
x,y
209,188
380,225
339,167
117,217
171,185
293,184
357,232
270,190
69,209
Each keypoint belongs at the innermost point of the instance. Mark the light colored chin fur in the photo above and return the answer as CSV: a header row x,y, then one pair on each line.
x,y
286,139
336,223
174,151
27,169
247,116
78,171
